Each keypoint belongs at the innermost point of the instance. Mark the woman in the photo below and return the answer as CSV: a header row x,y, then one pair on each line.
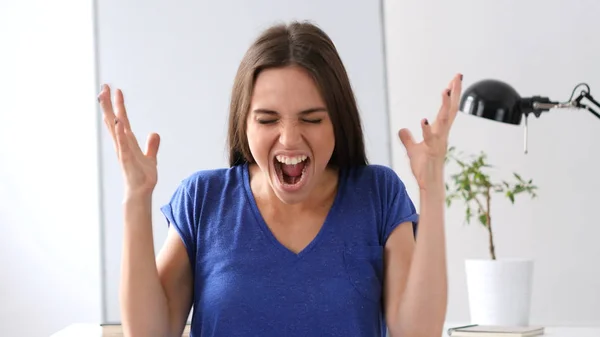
x,y
299,236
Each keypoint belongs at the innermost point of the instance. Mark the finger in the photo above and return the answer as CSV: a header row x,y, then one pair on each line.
x,y
134,145
450,102
152,145
120,110
427,133
123,148
443,115
121,113
455,94
407,139
108,114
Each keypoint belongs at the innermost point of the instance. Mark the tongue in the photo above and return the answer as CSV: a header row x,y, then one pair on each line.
x,y
293,170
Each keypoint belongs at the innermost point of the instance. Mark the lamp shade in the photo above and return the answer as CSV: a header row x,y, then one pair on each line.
x,y
492,99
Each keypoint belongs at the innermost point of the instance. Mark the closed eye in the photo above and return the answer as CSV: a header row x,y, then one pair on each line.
x,y
313,121
267,115
267,121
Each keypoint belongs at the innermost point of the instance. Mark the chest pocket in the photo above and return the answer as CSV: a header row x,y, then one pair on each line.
x,y
364,267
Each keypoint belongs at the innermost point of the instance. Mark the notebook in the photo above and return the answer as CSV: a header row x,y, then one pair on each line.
x,y
495,331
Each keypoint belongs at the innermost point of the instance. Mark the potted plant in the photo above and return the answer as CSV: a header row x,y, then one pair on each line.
x,y
499,290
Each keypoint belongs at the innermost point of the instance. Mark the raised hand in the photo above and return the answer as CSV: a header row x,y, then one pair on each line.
x,y
428,156
139,168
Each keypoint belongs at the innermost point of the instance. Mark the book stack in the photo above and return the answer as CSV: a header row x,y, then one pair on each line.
x,y
495,331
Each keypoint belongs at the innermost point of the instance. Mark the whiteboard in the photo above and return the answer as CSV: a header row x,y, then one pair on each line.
x,y
175,62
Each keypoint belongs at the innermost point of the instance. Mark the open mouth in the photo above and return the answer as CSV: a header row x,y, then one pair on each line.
x,y
291,170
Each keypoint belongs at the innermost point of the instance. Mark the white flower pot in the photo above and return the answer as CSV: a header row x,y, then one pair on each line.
x,y
499,291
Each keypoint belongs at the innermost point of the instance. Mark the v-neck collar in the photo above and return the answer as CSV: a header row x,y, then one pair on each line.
x,y
267,231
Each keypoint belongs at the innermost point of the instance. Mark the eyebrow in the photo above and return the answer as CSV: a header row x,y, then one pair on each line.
x,y
303,112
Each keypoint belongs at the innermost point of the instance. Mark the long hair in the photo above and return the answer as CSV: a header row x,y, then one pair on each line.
x,y
302,44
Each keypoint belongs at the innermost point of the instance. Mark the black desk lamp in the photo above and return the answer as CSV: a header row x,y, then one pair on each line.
x,y
498,101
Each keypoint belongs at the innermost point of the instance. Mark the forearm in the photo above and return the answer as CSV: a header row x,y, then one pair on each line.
x,y
423,304
143,301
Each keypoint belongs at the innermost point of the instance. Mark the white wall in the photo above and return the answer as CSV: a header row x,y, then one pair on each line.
x,y
176,63
541,48
49,247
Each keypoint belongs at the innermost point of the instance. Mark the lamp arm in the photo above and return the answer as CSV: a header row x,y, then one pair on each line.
x,y
594,109
538,104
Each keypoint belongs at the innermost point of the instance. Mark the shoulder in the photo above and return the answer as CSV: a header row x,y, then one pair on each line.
x,y
210,181
382,178
377,184
216,188
378,191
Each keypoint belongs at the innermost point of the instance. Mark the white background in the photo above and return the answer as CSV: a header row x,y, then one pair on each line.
x,y
540,48
176,65
49,214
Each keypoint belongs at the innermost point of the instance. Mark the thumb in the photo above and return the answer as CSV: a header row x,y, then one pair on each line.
x,y
152,145
407,139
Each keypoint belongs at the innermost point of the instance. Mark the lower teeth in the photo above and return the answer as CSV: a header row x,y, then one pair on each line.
x,y
287,180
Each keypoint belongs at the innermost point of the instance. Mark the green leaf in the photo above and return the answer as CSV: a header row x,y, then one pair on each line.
x,y
510,196
483,219
468,214
471,183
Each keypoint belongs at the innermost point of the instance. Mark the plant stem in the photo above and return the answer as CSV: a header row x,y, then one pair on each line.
x,y
489,223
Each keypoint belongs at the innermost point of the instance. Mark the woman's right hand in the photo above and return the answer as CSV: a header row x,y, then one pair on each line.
x,y
139,168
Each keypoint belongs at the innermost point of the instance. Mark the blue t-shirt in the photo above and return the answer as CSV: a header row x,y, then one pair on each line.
x,y
246,283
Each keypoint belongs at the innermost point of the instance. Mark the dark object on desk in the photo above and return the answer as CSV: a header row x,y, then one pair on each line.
x,y
498,101
475,330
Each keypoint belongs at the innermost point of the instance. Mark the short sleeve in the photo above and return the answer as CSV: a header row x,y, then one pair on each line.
x,y
180,213
400,208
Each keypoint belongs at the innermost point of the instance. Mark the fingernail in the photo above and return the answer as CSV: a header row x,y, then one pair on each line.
x,y
426,122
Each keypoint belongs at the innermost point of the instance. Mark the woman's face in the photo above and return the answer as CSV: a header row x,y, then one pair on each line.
x,y
289,132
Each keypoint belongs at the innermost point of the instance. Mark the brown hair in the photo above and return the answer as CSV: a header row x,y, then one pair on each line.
x,y
305,45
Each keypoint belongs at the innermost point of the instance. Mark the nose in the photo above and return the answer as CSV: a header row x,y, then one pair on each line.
x,y
290,135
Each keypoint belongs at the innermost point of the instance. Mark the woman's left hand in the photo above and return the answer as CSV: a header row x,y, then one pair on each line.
x,y
427,158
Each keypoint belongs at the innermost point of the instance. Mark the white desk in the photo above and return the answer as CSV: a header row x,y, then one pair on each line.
x,y
95,330
566,332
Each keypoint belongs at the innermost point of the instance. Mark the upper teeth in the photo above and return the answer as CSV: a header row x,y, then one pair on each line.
x,y
291,160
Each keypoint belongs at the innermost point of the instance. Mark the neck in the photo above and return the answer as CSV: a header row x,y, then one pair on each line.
x,y
324,192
